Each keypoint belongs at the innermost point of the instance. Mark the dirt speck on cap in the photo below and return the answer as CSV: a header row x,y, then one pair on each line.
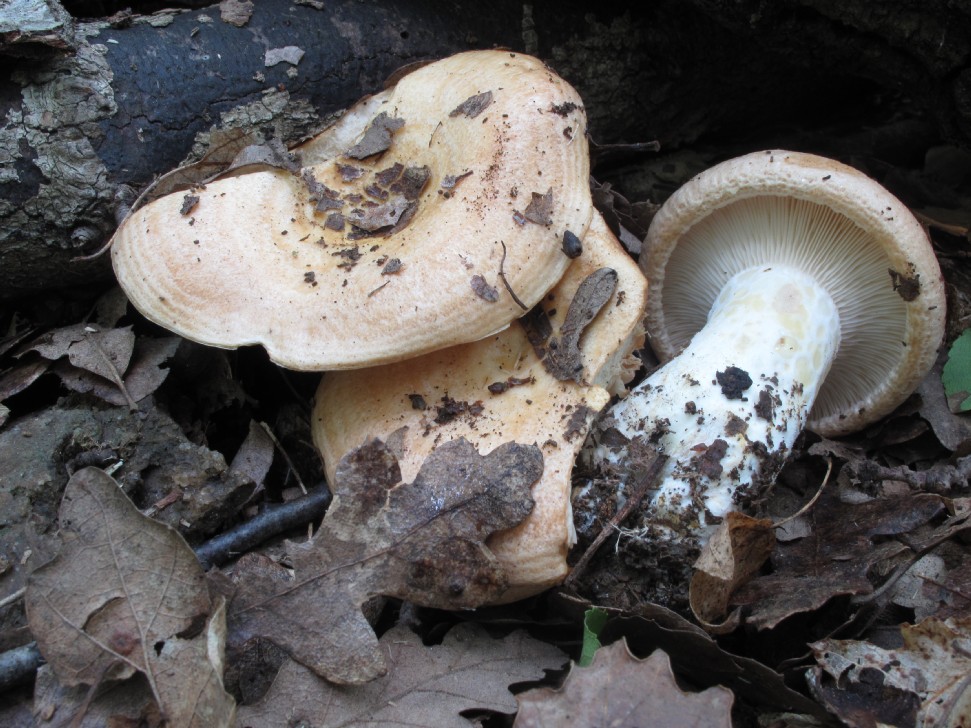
x,y
906,286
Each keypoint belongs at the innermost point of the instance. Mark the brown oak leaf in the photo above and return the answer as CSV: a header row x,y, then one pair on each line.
x,y
103,352
421,541
126,595
619,689
425,685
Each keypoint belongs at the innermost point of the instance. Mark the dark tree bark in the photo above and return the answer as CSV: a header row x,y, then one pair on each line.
x,y
85,131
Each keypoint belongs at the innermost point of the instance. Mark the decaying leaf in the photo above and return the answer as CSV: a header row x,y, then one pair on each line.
x,y
255,455
107,362
121,704
483,290
143,376
105,353
126,595
18,378
472,106
619,689
695,655
845,542
561,355
224,145
925,682
272,154
952,430
732,556
421,541
425,686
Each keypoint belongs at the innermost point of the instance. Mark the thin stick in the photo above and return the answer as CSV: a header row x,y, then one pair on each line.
x,y
11,598
644,484
286,456
272,520
812,501
502,277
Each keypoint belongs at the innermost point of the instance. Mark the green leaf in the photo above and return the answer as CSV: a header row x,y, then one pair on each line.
x,y
957,374
594,620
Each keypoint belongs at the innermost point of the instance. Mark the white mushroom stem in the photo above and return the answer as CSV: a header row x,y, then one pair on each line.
x,y
723,434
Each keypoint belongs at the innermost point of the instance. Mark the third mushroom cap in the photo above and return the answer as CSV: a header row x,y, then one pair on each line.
x,y
787,290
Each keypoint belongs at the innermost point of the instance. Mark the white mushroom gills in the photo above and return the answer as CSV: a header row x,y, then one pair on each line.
x,y
811,289
776,326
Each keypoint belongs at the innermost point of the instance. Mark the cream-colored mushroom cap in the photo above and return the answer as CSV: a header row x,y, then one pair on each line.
x,y
855,239
416,222
417,404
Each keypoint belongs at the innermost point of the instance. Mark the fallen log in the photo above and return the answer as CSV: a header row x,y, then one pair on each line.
x,y
114,103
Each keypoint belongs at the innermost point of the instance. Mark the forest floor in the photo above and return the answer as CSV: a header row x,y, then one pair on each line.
x,y
857,609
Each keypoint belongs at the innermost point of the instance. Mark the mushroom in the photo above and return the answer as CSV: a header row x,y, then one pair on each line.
x,y
787,291
498,390
431,214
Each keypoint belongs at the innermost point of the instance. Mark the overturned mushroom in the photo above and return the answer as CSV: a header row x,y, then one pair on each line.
x,y
297,260
799,293
499,389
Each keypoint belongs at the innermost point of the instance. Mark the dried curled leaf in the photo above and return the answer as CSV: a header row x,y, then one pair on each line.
x,y
617,686
421,541
924,682
125,595
425,686
540,208
733,555
561,355
107,362
835,557
144,375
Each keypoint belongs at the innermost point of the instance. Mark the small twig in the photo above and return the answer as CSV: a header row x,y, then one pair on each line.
x,y
502,277
272,520
286,456
645,483
812,501
18,666
937,479
11,598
